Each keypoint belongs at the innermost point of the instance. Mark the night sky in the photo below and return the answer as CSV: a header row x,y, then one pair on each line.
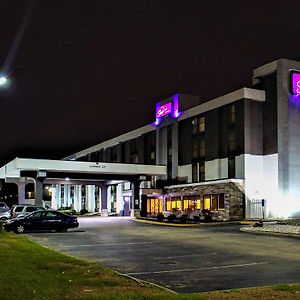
x,y
87,71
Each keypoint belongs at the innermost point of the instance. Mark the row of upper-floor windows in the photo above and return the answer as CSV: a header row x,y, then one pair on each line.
x,y
143,149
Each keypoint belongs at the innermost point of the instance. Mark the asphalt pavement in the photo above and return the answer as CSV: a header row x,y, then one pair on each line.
x,y
191,259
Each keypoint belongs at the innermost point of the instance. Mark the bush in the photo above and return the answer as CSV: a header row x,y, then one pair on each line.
x,y
172,218
183,218
160,217
83,211
196,218
207,215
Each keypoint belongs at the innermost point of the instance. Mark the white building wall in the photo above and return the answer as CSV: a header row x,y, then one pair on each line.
x,y
185,171
90,198
109,199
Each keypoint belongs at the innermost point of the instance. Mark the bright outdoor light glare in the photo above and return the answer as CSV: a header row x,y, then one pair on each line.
x,y
3,80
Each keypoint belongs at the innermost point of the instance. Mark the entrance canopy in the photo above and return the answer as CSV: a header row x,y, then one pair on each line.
x,y
57,170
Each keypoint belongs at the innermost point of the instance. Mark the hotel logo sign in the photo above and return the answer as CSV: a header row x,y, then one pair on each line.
x,y
295,82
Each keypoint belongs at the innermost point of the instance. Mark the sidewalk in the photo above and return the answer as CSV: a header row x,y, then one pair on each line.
x,y
275,230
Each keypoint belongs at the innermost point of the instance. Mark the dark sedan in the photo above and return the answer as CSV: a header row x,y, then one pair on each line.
x,y
42,220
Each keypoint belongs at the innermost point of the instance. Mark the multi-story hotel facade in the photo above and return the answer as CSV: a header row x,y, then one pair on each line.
x,y
237,155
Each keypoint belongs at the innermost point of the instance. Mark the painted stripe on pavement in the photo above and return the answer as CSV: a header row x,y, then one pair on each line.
x,y
113,244
198,269
179,256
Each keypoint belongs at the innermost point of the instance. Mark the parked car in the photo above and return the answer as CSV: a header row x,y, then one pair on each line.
x,y
4,215
21,210
42,220
3,206
4,211
67,210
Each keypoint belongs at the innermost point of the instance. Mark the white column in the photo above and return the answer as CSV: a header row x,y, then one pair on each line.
x,y
66,195
90,196
53,197
58,194
109,199
77,198
21,192
120,202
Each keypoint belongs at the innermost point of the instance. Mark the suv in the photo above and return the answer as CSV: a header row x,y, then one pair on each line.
x,y
21,210
4,211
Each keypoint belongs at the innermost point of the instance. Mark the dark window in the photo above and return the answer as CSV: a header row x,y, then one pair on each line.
x,y
195,150
231,142
195,172
19,208
202,171
231,167
221,201
195,126
231,115
30,209
202,149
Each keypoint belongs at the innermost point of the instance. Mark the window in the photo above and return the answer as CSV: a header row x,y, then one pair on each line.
x,y
201,124
154,206
231,167
195,172
195,150
231,142
231,115
202,149
214,202
195,126
202,171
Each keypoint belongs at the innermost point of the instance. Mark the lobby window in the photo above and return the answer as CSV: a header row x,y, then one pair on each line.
x,y
202,149
201,124
231,167
231,115
214,202
231,142
202,171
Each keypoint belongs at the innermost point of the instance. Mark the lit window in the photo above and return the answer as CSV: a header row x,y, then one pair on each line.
x,y
201,124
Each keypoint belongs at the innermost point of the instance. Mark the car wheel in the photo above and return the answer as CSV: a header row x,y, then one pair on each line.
x,y
3,219
20,229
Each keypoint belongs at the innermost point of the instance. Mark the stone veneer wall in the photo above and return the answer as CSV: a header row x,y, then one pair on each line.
x,y
233,197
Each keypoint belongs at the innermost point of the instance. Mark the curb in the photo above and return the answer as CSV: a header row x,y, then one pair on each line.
x,y
192,225
270,233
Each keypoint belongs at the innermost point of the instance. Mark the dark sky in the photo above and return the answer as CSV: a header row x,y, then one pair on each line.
x,y
90,70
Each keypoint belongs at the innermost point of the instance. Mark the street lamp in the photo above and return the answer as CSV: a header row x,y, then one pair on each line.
x,y
3,80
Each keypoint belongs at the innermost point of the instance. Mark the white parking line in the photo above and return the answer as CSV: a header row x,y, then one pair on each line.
x,y
113,244
198,269
179,256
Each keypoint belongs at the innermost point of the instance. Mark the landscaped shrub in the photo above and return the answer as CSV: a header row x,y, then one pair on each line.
x,y
183,218
160,217
196,218
172,218
83,211
207,215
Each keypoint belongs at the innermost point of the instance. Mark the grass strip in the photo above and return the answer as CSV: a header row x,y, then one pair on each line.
x,y
31,271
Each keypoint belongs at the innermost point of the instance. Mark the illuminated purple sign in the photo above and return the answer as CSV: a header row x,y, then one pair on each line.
x,y
295,83
163,110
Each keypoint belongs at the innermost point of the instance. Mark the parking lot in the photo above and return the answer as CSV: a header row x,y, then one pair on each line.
x,y
182,259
